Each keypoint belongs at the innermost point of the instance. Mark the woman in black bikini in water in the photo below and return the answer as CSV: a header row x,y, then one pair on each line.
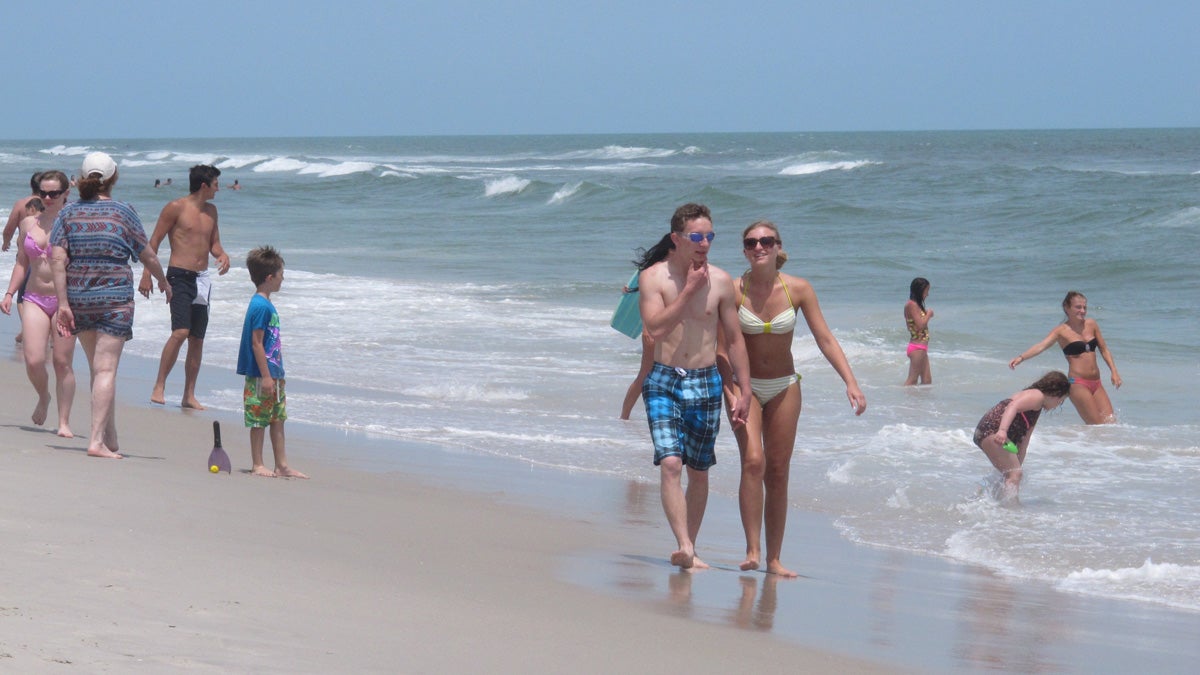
x,y
1080,339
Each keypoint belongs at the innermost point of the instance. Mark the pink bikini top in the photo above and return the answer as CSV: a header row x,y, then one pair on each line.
x,y
35,251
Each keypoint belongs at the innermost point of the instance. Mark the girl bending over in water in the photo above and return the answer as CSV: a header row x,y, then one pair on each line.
x,y
1010,423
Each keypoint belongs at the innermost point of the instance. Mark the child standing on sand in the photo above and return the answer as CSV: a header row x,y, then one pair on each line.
x,y
260,359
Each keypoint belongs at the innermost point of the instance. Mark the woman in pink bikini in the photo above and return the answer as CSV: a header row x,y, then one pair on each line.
x,y
768,437
39,304
917,317
1079,337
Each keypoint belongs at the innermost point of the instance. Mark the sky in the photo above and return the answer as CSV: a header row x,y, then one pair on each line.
x,y
135,69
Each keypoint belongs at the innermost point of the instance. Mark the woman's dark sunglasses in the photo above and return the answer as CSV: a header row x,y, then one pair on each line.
x,y
51,194
749,243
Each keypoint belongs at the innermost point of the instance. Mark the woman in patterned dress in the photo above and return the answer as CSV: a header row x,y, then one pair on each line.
x,y
94,240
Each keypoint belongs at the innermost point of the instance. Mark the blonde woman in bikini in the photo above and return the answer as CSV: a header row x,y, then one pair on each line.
x,y
1079,337
768,302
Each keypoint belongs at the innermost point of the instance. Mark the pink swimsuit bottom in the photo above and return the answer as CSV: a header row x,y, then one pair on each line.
x,y
914,346
1092,385
48,303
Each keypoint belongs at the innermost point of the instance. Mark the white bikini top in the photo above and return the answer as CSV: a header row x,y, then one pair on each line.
x,y
784,322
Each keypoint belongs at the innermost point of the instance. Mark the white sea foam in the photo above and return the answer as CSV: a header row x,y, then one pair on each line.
x,y
449,391
68,151
141,162
280,164
192,159
616,152
564,193
505,186
1163,583
1184,218
240,161
344,169
808,168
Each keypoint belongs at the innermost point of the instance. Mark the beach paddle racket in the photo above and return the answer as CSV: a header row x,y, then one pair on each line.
x,y
218,460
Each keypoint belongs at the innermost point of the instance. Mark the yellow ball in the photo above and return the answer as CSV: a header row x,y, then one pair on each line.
x,y
214,468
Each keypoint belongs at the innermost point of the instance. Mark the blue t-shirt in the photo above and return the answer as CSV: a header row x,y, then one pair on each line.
x,y
261,315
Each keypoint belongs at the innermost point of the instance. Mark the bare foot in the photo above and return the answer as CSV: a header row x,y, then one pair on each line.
x,y
750,563
778,569
64,431
193,404
287,472
698,564
158,395
683,559
263,471
39,411
104,453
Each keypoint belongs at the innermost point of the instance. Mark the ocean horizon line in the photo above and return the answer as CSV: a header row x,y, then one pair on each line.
x,y
567,134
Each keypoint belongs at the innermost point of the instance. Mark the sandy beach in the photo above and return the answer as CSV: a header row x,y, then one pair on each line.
x,y
153,564
456,563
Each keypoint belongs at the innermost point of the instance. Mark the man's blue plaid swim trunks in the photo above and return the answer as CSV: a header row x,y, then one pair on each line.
x,y
683,408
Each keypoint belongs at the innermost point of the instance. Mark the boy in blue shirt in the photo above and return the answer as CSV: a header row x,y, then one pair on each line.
x,y
260,359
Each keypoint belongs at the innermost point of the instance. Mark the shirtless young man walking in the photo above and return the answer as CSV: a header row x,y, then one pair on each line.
x,y
191,225
683,300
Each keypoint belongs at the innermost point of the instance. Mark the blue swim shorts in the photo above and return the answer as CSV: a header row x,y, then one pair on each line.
x,y
683,408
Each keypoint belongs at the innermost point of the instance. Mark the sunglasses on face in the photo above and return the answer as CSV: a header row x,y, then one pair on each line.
x,y
697,237
51,194
750,243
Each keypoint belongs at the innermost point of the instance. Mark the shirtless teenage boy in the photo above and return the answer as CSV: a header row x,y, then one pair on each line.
x,y
683,299
190,223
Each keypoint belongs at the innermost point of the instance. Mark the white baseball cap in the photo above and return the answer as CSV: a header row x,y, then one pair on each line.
x,y
98,163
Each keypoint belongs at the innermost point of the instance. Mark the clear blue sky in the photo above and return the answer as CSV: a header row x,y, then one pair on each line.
x,y
349,67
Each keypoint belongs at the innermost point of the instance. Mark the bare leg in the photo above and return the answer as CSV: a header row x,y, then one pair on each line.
x,y
1092,408
35,327
104,354
635,387
675,506
257,434
918,368
1007,464
779,440
282,470
170,354
697,501
750,487
191,370
64,376
1104,407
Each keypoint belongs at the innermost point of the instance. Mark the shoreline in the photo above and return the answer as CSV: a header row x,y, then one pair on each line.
x,y
526,567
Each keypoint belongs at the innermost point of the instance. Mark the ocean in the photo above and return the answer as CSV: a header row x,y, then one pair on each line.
x,y
457,291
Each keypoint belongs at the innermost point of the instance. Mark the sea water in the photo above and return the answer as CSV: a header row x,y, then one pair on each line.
x,y
457,291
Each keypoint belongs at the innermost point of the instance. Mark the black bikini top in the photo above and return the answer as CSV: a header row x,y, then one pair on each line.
x,y
1079,346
